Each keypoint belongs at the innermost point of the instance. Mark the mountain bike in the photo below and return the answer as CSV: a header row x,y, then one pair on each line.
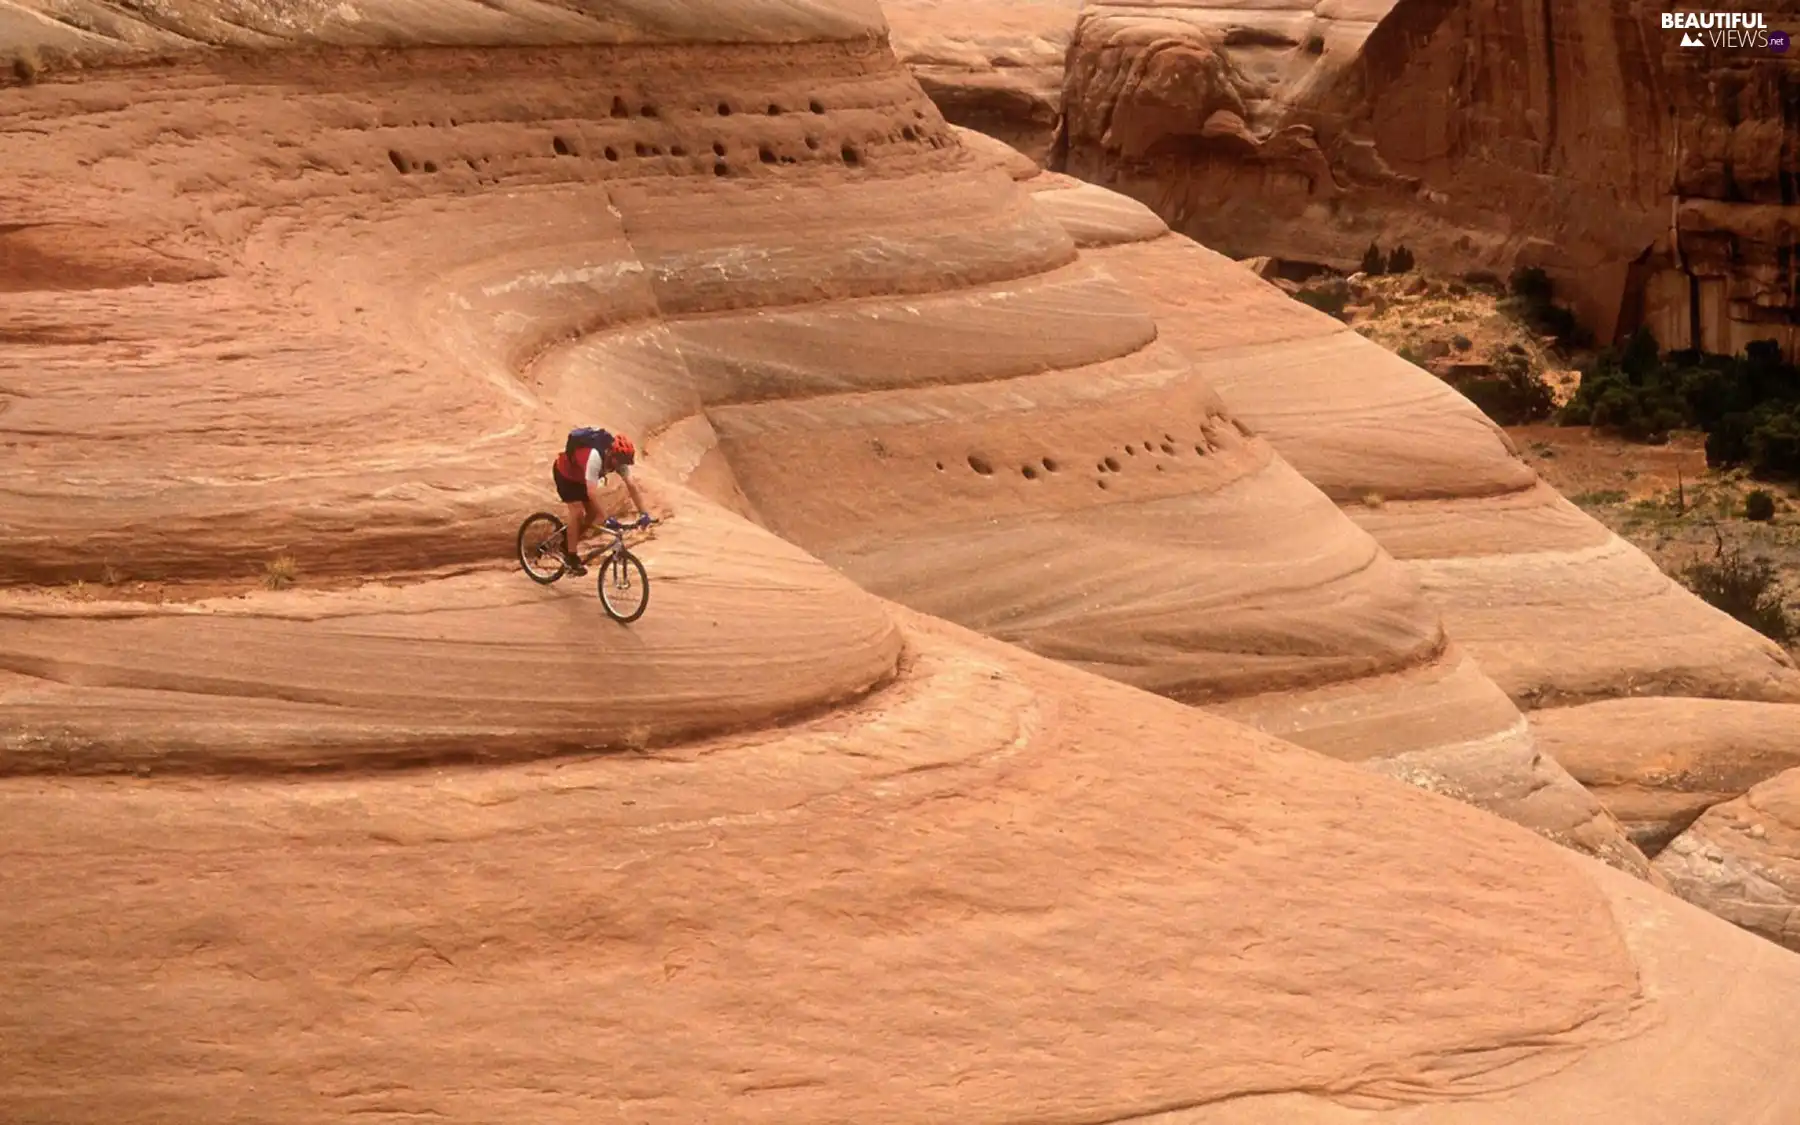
x,y
624,584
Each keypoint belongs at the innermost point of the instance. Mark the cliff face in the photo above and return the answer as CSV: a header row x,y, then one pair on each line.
x,y
1656,184
995,66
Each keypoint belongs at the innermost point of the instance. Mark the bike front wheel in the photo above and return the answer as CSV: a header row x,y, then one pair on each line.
x,y
541,548
624,587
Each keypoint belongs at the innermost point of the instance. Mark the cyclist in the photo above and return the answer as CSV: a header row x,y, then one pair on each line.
x,y
587,457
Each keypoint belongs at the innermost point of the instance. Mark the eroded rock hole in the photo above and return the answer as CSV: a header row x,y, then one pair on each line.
x,y
940,466
650,112
1200,449
398,161
724,109
431,165
718,148
561,146
1112,464
1130,451
812,142
1101,482
677,150
981,465
1030,471
641,148
612,153
1049,465
1169,449
910,133
620,109
720,169
816,106
850,155
774,110
766,154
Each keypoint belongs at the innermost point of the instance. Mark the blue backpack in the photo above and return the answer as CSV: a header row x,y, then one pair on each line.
x,y
592,438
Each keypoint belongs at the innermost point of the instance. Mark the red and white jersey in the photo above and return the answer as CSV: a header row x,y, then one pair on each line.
x,y
586,464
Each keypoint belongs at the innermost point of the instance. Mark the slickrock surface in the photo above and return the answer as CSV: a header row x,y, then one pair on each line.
x,y
1684,756
418,838
1741,860
992,65
908,909
1551,605
1652,181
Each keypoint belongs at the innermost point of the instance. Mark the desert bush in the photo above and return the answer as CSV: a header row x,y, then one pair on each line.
x,y
1534,302
27,66
1330,300
1510,392
1374,263
1744,588
1530,284
280,572
1748,406
1400,260
1597,499
1759,506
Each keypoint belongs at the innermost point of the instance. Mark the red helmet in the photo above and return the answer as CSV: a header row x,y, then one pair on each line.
x,y
622,451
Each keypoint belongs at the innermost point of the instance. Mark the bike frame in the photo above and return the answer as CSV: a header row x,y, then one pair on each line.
x,y
614,547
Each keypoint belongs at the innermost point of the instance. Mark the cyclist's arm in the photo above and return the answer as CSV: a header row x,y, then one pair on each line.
x,y
631,487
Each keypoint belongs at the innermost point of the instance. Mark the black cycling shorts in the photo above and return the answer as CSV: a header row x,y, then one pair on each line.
x,y
569,491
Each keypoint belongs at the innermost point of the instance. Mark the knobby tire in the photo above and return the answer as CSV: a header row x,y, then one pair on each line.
x,y
630,562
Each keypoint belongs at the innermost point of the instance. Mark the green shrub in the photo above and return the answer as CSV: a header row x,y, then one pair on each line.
x,y
1596,499
1744,588
1510,393
1330,300
1530,284
1533,301
1748,406
1759,506
1400,261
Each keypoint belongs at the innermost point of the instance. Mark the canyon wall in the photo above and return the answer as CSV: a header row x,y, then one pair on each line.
x,y
1657,185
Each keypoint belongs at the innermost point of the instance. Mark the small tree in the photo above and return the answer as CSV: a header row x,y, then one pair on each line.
x,y
1373,263
1400,261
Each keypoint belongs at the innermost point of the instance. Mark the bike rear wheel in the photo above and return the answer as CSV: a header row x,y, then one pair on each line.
x,y
624,587
541,548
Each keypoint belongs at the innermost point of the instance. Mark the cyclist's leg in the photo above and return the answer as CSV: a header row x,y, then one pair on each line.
x,y
575,525
596,515
575,498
